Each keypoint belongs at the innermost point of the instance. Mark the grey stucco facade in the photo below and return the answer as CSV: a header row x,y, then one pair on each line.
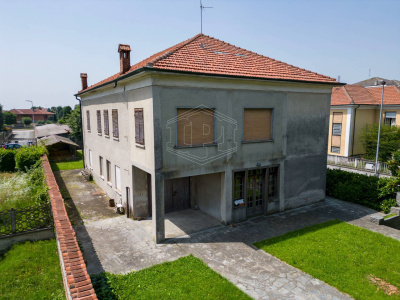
x,y
298,146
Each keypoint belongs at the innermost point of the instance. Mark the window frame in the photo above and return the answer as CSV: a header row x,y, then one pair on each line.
x,y
101,166
106,119
114,121
87,120
98,115
108,170
338,151
137,139
272,125
389,121
333,130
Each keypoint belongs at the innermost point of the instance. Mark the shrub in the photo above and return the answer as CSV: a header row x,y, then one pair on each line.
x,y
387,204
26,158
49,122
362,189
26,121
394,164
7,160
10,118
40,122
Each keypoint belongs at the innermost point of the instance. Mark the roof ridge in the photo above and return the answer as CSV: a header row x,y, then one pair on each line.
x,y
347,94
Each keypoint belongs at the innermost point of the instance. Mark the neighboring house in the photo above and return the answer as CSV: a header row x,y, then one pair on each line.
x,y
376,81
352,108
213,126
52,129
39,114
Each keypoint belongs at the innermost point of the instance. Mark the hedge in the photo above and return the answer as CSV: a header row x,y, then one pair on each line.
x,y
7,160
362,189
26,158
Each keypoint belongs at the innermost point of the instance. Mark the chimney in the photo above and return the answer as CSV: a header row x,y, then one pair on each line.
x,y
84,81
124,58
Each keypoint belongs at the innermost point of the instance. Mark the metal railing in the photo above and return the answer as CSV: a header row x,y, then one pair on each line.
x,y
13,221
358,163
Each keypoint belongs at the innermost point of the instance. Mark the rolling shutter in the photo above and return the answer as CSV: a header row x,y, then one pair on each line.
x,y
390,115
257,124
195,126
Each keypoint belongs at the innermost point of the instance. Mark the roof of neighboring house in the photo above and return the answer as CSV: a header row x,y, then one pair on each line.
x,y
354,94
54,139
220,58
376,81
51,129
42,111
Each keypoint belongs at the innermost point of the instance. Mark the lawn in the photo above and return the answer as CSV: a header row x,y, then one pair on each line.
x,y
345,256
185,278
31,270
68,165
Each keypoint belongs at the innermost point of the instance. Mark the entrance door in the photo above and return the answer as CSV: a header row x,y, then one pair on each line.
x,y
177,194
255,192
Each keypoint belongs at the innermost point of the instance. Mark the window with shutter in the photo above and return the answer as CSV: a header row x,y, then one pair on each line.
x,y
257,124
106,125
390,118
115,123
337,129
336,138
139,126
98,121
195,127
88,120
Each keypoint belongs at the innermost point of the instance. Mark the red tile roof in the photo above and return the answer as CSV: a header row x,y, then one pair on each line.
x,y
42,111
220,58
354,94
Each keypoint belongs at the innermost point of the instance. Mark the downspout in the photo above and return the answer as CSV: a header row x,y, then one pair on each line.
x,y
354,129
83,145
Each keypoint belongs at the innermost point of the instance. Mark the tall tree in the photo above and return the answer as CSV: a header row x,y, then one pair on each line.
x,y
75,123
9,118
1,118
66,110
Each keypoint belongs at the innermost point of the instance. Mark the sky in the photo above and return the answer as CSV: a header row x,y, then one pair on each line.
x,y
45,45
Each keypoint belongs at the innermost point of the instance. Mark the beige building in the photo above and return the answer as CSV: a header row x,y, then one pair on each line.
x,y
207,126
352,108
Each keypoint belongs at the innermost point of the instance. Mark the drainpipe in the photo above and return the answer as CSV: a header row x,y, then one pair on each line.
x,y
83,145
354,129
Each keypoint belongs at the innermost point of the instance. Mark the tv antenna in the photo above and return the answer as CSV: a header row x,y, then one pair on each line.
x,y
201,21
369,73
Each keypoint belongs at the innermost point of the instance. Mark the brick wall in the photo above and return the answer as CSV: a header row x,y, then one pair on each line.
x,y
77,282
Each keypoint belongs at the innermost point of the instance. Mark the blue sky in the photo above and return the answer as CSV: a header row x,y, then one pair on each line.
x,y
44,45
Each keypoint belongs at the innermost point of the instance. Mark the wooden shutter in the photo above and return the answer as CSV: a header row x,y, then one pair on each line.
x,y
337,117
115,123
336,140
257,124
139,126
337,129
195,127
88,120
98,121
106,124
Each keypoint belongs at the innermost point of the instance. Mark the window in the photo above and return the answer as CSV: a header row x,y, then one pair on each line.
x,y
273,182
336,132
88,120
90,159
98,122
115,123
117,178
390,118
108,165
257,124
139,126
101,165
195,127
238,189
106,125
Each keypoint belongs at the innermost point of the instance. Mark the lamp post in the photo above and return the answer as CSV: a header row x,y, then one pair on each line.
x,y
33,120
379,130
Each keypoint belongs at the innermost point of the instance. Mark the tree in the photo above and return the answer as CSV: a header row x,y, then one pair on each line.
x,y
66,110
389,141
26,121
74,122
10,118
59,112
1,118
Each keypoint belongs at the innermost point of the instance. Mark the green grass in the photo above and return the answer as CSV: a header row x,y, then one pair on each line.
x,y
389,216
341,255
31,270
68,165
185,278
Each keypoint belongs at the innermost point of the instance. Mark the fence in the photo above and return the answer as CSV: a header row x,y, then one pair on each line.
x,y
358,163
28,219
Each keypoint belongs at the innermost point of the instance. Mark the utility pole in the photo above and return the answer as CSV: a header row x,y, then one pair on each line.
x,y
379,130
33,120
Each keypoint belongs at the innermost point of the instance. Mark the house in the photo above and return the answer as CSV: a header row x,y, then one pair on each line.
x,y
39,114
352,108
53,129
205,124
374,81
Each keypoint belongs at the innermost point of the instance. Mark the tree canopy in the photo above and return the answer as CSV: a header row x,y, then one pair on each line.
x,y
9,118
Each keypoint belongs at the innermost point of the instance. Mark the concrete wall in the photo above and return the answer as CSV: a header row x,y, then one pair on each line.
x,y
41,234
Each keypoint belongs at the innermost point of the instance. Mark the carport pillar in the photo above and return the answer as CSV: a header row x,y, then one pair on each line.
x,y
226,197
158,208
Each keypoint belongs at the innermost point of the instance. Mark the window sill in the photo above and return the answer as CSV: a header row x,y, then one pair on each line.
x,y
115,138
140,146
109,183
118,192
196,146
107,136
99,134
252,142
88,130
102,177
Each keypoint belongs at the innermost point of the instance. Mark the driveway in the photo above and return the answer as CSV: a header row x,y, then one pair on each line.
x,y
121,245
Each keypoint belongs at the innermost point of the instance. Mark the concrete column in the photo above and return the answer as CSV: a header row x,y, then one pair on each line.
x,y
158,208
226,197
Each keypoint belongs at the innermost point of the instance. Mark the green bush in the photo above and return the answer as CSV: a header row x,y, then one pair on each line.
x,y
40,122
49,122
394,164
26,121
26,158
7,160
362,189
387,204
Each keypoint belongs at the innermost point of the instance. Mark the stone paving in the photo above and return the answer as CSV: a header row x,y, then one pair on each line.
x,y
121,245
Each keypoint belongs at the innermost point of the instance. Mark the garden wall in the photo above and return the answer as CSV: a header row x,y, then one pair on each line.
x,y
76,279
